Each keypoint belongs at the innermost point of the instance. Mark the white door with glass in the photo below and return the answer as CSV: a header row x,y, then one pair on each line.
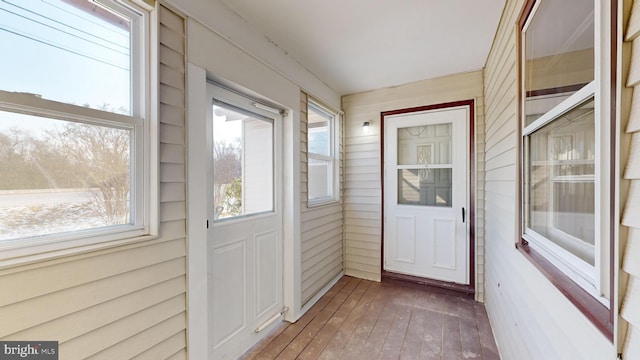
x,y
245,238
426,194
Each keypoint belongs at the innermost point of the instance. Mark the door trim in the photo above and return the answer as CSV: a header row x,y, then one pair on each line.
x,y
468,289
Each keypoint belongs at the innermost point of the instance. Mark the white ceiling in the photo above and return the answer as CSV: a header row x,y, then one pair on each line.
x,y
360,45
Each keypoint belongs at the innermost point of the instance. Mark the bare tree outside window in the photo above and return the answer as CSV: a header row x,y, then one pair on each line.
x,y
227,175
69,176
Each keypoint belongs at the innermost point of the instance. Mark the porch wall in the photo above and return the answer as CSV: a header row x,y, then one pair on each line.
x,y
321,227
363,189
531,319
125,301
630,163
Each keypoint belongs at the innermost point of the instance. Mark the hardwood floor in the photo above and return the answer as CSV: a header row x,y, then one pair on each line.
x,y
359,319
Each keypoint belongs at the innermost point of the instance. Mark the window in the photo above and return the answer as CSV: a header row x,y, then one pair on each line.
x,y
74,127
566,164
243,155
322,135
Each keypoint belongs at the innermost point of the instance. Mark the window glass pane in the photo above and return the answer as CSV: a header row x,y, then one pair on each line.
x,y
69,51
242,163
559,53
59,176
320,176
561,182
424,145
319,132
428,187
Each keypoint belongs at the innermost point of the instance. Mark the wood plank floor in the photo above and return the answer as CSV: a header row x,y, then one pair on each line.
x,y
359,319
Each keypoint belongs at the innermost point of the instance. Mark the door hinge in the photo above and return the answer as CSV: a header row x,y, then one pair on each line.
x,y
207,223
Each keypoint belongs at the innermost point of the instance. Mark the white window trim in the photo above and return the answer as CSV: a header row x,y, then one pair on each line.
x,y
261,108
333,158
594,280
143,124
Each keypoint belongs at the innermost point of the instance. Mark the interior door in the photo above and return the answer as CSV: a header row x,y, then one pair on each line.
x,y
245,239
426,194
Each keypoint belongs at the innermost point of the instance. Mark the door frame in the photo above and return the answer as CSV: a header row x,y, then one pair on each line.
x,y
467,289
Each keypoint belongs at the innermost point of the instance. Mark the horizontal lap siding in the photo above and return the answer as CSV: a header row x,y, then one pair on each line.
x,y
530,318
124,302
321,226
630,310
363,187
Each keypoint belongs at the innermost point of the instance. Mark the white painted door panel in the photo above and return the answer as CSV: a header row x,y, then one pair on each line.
x,y
426,188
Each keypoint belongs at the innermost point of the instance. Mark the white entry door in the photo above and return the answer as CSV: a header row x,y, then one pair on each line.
x,y
245,238
426,194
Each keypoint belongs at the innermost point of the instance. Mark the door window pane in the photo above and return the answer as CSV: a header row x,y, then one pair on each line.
x,y
561,182
424,145
427,187
242,163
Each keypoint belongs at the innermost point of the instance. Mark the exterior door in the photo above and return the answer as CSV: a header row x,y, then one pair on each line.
x,y
245,288
426,194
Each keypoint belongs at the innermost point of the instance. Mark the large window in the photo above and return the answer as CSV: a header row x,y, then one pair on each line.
x,y
566,164
322,136
74,127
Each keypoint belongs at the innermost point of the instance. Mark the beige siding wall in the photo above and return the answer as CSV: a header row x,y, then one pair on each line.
x,y
630,310
363,192
321,226
530,318
123,302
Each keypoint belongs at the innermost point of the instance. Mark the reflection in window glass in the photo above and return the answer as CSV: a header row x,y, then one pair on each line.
x,y
559,52
59,176
561,182
319,130
242,163
424,145
427,187
82,50
321,154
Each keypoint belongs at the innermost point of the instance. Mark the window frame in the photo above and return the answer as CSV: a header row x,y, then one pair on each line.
x,y
143,150
228,97
333,158
567,277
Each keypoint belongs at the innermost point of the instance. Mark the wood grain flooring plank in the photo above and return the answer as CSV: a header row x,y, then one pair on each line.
x,y
353,349
320,341
414,338
470,339
432,336
396,335
337,344
451,342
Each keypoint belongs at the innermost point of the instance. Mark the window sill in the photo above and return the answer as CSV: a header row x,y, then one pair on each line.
x,y
47,252
598,314
322,203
